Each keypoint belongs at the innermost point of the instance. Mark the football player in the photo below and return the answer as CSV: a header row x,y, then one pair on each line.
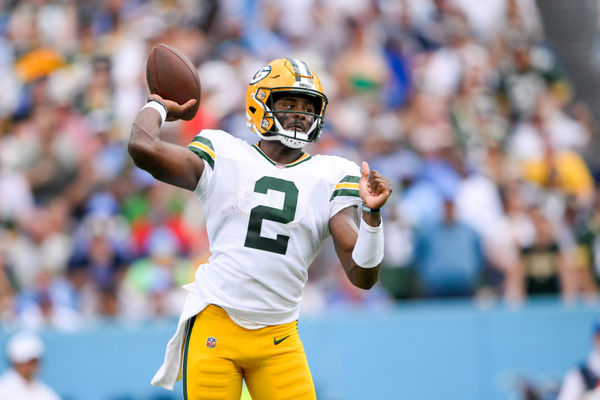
x,y
268,207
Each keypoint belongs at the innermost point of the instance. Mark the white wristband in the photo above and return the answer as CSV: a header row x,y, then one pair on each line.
x,y
368,250
162,110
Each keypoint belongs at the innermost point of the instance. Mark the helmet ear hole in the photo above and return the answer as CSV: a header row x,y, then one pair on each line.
x,y
252,109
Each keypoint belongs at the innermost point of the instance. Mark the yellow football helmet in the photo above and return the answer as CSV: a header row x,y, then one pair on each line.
x,y
284,76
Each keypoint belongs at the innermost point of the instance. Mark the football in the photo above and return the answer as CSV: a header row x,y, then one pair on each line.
x,y
172,76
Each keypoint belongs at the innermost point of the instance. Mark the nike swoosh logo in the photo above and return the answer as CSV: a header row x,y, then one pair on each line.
x,y
276,342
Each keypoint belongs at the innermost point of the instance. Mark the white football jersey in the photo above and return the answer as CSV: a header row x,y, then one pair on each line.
x,y
266,222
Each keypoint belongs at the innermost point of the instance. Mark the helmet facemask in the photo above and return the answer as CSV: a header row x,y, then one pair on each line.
x,y
294,138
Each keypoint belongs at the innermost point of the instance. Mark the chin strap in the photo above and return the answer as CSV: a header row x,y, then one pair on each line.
x,y
286,141
288,138
289,142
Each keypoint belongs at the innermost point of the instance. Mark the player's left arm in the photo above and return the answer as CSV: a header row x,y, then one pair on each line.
x,y
359,245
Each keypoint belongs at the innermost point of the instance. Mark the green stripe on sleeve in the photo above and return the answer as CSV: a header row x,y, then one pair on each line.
x,y
203,155
204,140
350,179
345,192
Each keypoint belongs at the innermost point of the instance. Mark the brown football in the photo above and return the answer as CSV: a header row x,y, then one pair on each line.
x,y
172,76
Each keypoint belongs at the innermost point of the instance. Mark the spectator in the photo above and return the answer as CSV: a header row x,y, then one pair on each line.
x,y
547,262
48,305
361,68
449,256
587,231
531,71
25,351
512,230
6,288
546,146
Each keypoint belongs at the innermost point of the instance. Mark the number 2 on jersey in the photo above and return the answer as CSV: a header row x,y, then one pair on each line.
x,y
283,215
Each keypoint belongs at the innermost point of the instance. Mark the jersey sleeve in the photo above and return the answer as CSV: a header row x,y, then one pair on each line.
x,y
206,146
345,191
203,147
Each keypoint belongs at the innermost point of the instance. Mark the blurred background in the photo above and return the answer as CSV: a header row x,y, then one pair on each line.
x,y
484,115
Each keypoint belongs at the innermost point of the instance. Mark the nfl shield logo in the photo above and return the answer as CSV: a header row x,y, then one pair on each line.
x,y
211,342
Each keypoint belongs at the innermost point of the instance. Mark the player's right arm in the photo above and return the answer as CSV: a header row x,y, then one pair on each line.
x,y
166,162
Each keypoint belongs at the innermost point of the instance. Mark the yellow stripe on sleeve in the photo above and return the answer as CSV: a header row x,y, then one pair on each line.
x,y
203,147
346,185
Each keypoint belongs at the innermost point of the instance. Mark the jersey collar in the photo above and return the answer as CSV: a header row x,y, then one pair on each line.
x,y
300,160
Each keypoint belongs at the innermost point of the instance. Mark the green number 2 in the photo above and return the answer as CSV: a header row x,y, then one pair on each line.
x,y
283,215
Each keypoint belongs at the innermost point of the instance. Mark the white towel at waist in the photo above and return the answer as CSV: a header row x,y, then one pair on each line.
x,y
170,370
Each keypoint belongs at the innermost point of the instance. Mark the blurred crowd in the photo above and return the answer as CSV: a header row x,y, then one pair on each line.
x,y
461,103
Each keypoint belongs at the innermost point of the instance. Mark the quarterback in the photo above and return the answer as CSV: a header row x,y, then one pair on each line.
x,y
268,207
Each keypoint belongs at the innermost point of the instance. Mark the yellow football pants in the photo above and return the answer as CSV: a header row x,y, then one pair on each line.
x,y
219,354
